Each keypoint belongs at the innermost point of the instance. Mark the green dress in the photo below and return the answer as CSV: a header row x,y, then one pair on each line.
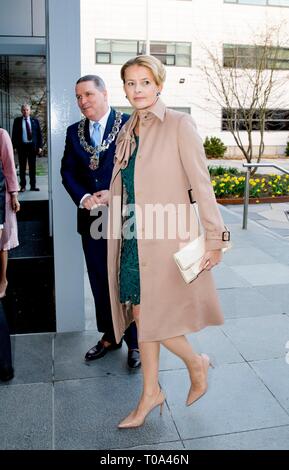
x,y
129,281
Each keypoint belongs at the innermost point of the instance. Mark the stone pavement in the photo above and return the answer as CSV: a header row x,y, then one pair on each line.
x,y
56,401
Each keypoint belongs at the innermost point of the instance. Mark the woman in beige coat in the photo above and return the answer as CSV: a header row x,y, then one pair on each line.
x,y
159,157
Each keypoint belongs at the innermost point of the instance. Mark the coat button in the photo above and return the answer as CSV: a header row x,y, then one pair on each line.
x,y
143,264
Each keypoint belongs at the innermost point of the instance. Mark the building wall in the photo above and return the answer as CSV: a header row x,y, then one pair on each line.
x,y
25,18
204,23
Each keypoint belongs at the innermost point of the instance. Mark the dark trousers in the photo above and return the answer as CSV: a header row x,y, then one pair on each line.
x,y
27,153
95,252
5,344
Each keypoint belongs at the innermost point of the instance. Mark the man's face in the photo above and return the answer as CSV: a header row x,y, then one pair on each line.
x,y
26,111
91,101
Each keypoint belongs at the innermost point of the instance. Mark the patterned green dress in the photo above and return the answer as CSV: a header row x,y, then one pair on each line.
x,y
129,281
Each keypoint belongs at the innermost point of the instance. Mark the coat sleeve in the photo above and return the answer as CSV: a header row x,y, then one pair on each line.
x,y
8,165
69,172
194,162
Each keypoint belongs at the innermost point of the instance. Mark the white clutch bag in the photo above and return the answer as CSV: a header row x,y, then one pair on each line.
x,y
188,258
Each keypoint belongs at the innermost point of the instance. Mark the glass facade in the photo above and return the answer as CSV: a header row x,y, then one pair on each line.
x,y
118,51
253,57
274,3
239,119
4,93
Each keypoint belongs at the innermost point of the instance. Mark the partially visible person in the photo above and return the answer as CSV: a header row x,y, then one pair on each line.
x,y
9,238
6,369
27,140
86,169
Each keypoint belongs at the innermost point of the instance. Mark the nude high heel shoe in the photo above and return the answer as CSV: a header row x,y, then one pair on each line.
x,y
135,419
199,385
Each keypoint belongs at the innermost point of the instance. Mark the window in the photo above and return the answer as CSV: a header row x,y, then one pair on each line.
x,y
251,57
277,3
116,51
4,93
275,119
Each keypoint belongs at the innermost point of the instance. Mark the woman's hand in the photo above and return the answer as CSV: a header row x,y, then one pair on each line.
x,y
90,202
102,197
211,259
15,203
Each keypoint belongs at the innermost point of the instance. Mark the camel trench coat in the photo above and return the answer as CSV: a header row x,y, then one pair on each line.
x,y
170,160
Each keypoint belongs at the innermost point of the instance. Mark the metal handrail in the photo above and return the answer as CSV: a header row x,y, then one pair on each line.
x,y
247,185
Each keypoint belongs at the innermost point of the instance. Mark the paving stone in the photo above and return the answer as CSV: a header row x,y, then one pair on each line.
x,y
259,338
248,302
26,417
262,274
32,358
261,439
87,412
236,401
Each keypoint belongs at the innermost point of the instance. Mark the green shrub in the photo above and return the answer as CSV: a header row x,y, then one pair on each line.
x,y
214,147
287,150
221,170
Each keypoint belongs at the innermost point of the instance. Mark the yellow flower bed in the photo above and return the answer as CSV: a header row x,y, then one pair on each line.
x,y
260,186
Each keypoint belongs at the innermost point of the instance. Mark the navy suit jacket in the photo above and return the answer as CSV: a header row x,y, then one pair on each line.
x,y
77,178
17,133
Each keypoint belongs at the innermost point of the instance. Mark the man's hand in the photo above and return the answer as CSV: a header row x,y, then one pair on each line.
x,y
102,197
90,202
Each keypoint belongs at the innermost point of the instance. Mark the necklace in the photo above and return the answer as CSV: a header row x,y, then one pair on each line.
x,y
95,151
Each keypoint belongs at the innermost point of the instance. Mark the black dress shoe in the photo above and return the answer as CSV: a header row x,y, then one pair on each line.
x,y
6,374
34,189
22,190
133,358
99,350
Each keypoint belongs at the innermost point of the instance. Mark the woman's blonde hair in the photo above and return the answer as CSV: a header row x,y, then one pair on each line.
x,y
150,62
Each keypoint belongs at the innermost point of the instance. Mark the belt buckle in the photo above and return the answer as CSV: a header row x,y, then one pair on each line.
x,y
226,236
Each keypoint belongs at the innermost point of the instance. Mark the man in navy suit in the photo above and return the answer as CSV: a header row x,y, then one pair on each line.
x,y
86,170
27,140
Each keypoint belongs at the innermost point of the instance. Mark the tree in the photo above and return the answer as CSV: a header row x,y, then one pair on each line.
x,y
244,82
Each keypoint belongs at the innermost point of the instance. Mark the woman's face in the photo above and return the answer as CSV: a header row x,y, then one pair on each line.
x,y
140,86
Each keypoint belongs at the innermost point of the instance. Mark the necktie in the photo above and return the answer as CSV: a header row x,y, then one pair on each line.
x,y
28,129
95,137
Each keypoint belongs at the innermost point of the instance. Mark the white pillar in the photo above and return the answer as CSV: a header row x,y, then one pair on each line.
x,y
63,69
148,46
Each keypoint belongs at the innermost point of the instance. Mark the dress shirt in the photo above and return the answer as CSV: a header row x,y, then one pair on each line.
x,y
24,131
102,122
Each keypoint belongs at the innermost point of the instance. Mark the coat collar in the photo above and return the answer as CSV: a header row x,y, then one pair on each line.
x,y
158,110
